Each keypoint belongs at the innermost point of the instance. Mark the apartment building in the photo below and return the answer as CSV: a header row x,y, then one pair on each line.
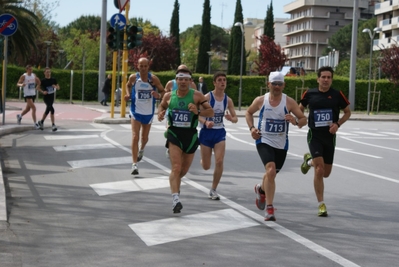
x,y
313,22
387,12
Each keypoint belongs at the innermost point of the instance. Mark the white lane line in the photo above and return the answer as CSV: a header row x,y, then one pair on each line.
x,y
202,224
68,137
369,133
391,133
82,147
340,166
348,150
99,162
383,147
301,240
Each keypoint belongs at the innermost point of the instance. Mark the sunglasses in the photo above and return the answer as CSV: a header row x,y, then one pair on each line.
x,y
277,84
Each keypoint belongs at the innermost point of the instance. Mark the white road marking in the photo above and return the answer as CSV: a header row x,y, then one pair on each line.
x,y
357,153
189,226
68,137
82,147
368,133
391,133
382,147
99,162
104,189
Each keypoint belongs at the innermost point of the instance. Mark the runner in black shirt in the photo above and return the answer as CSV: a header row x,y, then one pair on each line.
x,y
49,85
324,105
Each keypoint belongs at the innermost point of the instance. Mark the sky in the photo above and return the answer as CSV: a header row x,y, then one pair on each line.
x,y
159,12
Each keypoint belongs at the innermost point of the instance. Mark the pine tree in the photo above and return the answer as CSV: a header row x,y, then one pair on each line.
x,y
268,29
234,55
205,40
175,31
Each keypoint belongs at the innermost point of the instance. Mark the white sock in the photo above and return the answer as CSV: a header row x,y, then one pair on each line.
x,y
309,162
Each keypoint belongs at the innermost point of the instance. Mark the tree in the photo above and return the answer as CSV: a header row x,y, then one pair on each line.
x,y
271,58
82,43
84,24
148,27
219,37
26,35
159,49
268,29
389,62
342,40
205,40
175,31
236,37
189,50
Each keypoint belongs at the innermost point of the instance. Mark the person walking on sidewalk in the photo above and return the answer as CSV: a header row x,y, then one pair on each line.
x,y
324,105
141,89
213,134
107,87
271,135
30,84
49,85
185,104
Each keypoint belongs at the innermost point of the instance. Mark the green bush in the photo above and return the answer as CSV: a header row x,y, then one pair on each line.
x,y
251,86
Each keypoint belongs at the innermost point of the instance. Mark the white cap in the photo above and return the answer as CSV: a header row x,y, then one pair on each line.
x,y
276,76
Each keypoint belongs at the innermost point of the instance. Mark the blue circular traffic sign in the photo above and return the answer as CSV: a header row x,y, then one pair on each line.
x,y
8,24
118,20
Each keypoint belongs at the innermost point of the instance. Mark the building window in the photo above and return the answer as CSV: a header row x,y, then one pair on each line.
x,y
337,23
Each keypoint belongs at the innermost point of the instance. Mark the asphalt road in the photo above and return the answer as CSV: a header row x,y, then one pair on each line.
x,y
72,202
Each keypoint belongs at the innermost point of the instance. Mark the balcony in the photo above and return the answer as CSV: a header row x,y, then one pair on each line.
x,y
389,24
385,42
387,6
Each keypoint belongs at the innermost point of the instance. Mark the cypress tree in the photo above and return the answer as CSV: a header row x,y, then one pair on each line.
x,y
175,31
234,55
268,29
205,40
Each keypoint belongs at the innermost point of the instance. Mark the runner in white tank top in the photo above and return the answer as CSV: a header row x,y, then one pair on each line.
x,y
271,136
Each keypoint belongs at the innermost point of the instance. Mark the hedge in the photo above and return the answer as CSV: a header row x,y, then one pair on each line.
x,y
251,87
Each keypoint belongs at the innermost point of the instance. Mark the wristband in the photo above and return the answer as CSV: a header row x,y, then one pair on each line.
x,y
250,128
339,125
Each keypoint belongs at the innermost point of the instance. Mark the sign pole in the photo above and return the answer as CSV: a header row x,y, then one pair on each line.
x,y
4,82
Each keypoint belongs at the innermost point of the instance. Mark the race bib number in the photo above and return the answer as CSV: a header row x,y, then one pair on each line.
x,y
218,119
50,90
181,118
144,94
31,86
275,126
323,117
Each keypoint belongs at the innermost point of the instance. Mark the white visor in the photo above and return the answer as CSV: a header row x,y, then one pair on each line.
x,y
183,75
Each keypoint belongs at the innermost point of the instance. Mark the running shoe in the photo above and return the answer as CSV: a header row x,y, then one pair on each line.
x,y
54,128
322,210
260,198
37,126
269,214
19,118
213,195
177,207
305,167
40,125
140,156
135,170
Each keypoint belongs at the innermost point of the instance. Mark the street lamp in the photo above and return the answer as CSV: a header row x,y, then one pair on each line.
x,y
48,51
210,54
376,30
242,52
